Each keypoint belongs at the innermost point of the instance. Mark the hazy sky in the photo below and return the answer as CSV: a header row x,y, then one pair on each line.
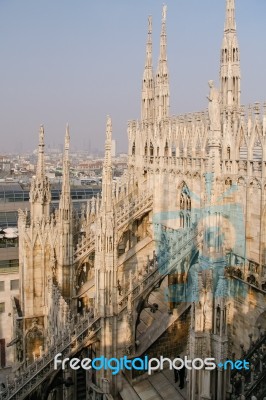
x,y
78,60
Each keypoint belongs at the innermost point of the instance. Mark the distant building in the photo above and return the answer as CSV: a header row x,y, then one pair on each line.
x,y
5,164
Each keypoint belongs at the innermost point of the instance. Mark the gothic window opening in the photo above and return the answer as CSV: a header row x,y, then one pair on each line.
x,y
189,146
158,151
151,149
181,148
185,207
188,203
166,149
228,182
182,202
182,221
198,148
173,151
146,149
2,353
133,149
228,153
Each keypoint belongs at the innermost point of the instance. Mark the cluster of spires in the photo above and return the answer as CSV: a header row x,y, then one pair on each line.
x,y
155,91
155,102
155,88
40,182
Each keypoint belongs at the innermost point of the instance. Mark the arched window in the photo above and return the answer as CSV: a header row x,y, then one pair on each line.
x,y
243,150
182,220
185,206
146,149
133,149
228,153
151,149
182,202
166,149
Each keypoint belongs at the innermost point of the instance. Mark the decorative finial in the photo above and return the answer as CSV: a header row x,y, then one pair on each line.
x,y
67,137
108,128
149,24
164,12
41,135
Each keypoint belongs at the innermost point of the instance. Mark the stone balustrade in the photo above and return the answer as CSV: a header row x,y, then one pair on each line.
x,y
38,371
251,382
162,265
252,273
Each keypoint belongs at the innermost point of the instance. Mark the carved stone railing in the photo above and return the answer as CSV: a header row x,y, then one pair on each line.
x,y
38,371
136,206
166,262
247,271
251,382
85,246
129,207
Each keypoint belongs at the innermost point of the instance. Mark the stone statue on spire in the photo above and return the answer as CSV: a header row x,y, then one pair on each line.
x,y
108,128
41,135
149,24
214,107
164,12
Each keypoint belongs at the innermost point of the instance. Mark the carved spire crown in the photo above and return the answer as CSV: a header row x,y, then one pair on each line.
x,y
107,167
147,105
230,23
40,162
162,90
40,195
230,77
65,198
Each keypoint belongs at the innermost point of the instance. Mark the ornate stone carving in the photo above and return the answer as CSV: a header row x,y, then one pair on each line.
x,y
214,108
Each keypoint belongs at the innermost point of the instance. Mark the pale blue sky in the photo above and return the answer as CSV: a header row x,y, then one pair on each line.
x,y
78,60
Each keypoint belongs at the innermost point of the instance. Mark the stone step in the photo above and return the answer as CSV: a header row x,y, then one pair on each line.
x,y
128,392
147,317
146,391
164,387
162,321
169,375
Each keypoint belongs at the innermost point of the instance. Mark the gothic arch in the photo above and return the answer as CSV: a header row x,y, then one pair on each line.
x,y
181,148
241,181
133,148
256,147
146,149
166,149
184,205
241,145
228,181
198,147
151,149
255,183
189,144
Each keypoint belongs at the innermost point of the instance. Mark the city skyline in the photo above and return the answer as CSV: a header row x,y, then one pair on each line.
x,y
75,64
